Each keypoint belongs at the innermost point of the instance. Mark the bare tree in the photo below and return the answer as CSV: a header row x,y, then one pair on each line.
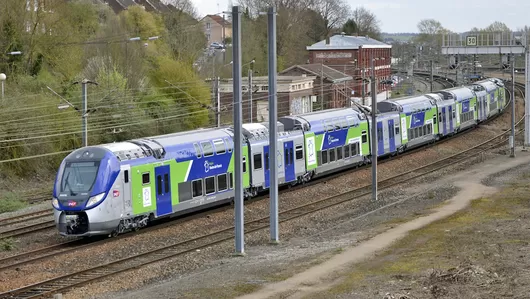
x,y
367,22
185,6
334,12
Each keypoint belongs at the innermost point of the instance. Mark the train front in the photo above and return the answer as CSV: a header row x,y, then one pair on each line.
x,y
80,192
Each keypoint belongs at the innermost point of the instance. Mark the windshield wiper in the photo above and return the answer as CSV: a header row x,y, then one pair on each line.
x,y
67,184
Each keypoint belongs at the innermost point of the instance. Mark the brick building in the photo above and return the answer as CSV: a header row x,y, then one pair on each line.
x,y
351,55
330,86
294,97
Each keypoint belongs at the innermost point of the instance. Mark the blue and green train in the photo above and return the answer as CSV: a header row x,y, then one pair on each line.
x,y
113,188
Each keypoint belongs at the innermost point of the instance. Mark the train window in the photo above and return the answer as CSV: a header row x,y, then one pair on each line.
x,y
396,129
166,183
319,160
229,144
196,187
331,155
454,114
425,130
267,161
347,151
159,184
364,137
353,147
350,121
343,123
257,162
209,184
324,157
222,182
145,178
291,156
231,180
434,120
286,156
244,164
219,146
197,150
126,176
339,153
328,125
337,123
299,152
207,148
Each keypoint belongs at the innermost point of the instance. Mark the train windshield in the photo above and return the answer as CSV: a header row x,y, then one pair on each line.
x,y
79,177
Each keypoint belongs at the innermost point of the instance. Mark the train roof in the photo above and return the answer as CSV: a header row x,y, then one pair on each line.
x,y
406,104
314,120
488,84
259,132
158,146
461,93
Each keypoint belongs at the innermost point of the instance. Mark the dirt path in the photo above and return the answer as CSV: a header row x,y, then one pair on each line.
x,y
314,279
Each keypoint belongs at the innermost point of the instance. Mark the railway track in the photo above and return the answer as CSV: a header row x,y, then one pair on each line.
x,y
84,277
25,217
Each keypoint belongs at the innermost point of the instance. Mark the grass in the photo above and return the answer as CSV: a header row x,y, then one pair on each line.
x,y
467,235
7,244
9,202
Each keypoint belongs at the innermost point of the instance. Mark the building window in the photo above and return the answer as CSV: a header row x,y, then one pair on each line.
x,y
208,25
208,36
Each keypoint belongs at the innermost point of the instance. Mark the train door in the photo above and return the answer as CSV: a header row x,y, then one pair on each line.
x,y
163,191
380,139
288,155
443,121
125,190
391,136
485,107
479,108
451,118
266,169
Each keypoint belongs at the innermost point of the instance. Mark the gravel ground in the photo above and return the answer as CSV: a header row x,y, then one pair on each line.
x,y
135,244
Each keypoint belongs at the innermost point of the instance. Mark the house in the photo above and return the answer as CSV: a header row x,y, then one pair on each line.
x,y
352,55
331,86
295,96
216,28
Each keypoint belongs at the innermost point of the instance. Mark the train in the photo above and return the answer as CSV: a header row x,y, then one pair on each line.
x,y
110,189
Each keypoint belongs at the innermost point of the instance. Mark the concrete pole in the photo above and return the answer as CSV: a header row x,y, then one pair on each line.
x,y
250,91
2,89
218,104
527,101
432,79
374,132
321,85
84,112
238,146
512,137
273,129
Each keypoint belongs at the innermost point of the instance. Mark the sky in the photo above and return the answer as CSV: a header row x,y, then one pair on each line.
x,y
404,15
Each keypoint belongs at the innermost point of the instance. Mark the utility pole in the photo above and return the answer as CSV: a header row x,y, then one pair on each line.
x,y
250,71
432,76
3,78
224,39
84,111
238,146
374,133
321,85
218,104
527,95
512,137
273,127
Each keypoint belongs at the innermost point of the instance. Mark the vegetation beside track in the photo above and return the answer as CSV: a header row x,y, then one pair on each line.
x,y
481,251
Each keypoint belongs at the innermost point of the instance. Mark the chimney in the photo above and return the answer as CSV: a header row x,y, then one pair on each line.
x,y
327,40
342,33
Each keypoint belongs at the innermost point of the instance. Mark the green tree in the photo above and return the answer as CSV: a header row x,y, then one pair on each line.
x,y
349,27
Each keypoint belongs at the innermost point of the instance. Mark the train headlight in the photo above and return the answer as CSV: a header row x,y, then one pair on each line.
x,y
55,203
95,200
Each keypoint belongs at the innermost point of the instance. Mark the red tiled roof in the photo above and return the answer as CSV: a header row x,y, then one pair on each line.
x,y
219,20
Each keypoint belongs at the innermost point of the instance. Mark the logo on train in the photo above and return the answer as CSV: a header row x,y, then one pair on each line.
x,y
115,193
211,165
72,203
332,139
